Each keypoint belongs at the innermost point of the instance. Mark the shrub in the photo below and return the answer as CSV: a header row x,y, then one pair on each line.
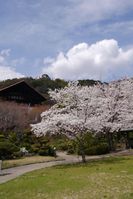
x,y
59,143
17,155
101,148
7,150
43,152
35,148
51,151
47,151
91,150
71,147
1,137
62,146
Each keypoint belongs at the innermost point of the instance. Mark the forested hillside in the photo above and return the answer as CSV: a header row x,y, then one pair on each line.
x,y
44,83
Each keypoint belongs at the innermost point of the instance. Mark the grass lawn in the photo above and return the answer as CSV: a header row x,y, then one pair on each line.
x,y
26,160
111,179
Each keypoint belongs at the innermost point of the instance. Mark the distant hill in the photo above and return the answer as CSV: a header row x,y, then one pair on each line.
x,y
89,82
44,83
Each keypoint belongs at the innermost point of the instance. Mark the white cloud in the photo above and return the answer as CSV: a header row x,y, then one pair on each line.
x,y
5,52
52,21
7,72
84,11
115,27
102,60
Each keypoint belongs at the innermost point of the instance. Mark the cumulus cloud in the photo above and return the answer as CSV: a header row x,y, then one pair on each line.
x,y
7,72
103,60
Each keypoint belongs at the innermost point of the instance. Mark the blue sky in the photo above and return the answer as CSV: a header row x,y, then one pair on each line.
x,y
68,39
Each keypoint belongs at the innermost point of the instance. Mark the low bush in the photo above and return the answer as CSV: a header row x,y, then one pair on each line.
x,y
47,151
101,148
71,147
59,143
43,152
17,155
62,146
7,150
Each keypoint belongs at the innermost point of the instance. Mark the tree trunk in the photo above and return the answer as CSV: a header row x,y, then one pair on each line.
x,y
127,141
83,157
110,143
82,151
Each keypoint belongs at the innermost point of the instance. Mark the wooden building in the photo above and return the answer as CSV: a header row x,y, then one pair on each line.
x,y
21,92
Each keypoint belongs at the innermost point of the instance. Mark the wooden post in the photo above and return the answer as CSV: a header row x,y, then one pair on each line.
x,y
0,166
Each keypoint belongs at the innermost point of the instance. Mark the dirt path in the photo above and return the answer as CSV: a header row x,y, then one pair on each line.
x,y
11,173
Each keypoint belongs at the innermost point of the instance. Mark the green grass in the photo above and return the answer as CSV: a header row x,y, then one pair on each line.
x,y
111,178
26,160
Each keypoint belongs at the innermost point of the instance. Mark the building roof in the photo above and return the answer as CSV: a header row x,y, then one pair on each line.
x,y
21,92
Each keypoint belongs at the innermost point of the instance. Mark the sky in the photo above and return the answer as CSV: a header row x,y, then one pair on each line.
x,y
68,39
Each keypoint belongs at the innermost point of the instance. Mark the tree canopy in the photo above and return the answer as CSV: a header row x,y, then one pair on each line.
x,y
102,108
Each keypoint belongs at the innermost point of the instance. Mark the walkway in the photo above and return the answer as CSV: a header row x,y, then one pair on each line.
x,y
11,173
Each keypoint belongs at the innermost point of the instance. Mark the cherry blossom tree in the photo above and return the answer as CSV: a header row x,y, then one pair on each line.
x,y
116,112
102,108
70,115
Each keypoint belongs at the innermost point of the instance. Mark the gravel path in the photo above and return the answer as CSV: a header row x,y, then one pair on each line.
x,y
11,173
